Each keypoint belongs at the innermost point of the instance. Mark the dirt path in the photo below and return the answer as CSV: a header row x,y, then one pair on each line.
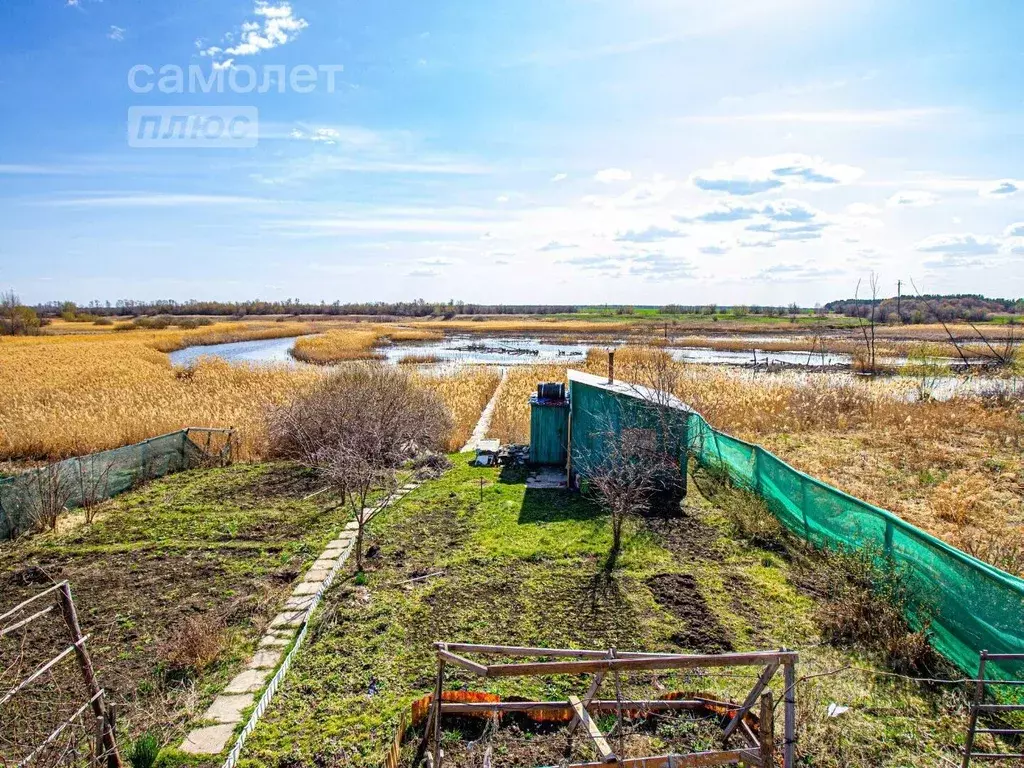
x,y
480,431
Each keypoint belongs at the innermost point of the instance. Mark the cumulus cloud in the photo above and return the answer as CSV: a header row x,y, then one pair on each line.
x,y
274,26
1014,230
959,245
714,250
752,175
651,234
610,175
791,273
1001,188
791,211
911,198
560,177
656,266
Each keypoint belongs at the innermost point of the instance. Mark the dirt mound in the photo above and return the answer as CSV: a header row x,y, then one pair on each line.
x,y
679,594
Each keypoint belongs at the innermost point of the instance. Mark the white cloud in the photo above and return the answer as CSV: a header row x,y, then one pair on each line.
x,y
422,273
501,199
560,177
863,209
650,234
275,26
609,175
959,245
752,175
1014,230
1001,188
555,245
116,33
910,198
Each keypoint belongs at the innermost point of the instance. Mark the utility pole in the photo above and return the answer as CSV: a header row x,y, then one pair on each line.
x,y
899,297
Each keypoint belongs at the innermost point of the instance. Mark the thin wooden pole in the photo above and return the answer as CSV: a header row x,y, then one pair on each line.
x,y
789,745
99,732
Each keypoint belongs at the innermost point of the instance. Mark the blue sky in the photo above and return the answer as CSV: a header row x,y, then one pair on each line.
x,y
571,151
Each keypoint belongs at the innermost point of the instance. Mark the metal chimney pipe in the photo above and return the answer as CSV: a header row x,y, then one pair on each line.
x,y
611,366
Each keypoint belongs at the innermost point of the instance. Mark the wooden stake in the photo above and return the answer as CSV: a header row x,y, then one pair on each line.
x,y
438,694
789,745
591,727
767,730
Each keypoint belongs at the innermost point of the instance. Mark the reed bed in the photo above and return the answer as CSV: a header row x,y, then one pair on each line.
x,y
419,360
75,394
466,393
356,341
953,468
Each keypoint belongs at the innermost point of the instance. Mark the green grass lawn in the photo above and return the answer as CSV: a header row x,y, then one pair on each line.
x,y
507,565
225,543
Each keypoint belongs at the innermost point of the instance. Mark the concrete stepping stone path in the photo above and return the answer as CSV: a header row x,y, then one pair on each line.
x,y
241,693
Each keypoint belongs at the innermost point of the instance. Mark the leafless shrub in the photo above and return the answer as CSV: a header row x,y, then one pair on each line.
x,y
196,644
53,492
356,427
94,484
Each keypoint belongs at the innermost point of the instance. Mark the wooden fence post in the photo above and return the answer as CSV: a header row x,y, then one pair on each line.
x,y
767,730
789,745
67,605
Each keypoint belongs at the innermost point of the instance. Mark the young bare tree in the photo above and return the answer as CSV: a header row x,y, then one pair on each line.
x,y
868,328
356,428
640,467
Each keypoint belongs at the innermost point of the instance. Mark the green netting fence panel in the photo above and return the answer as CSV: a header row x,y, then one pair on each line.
x,y
26,498
968,605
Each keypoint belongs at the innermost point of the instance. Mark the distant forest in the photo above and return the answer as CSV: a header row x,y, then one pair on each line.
x,y
928,308
418,308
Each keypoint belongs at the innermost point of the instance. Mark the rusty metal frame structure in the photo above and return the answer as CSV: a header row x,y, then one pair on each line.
x,y
759,749
978,707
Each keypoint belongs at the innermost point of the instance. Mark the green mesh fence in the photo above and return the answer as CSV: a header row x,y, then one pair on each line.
x,y
28,499
969,605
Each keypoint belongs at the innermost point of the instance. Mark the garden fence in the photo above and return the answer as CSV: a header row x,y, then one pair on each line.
x,y
965,604
29,500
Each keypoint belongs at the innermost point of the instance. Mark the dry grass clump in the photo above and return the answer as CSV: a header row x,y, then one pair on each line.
x,y
466,394
511,420
196,644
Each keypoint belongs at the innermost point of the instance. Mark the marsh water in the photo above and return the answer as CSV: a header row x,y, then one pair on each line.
x,y
458,350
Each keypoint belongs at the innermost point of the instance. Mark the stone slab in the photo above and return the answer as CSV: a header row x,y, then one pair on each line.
x,y
306,588
265,659
274,641
288,619
208,741
249,681
298,603
317,574
228,709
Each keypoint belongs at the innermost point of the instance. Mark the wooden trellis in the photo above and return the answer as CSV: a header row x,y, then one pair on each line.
x,y
759,749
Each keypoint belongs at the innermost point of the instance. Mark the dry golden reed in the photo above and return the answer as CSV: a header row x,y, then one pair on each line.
x,y
466,393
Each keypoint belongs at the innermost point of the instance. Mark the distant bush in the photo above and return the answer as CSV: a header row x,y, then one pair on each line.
x,y
190,323
125,326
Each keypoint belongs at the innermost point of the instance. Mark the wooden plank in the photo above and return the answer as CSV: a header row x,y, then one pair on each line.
x,y
600,743
695,760
762,681
521,650
472,666
664,662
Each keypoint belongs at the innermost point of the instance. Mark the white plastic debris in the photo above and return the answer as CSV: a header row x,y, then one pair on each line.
x,y
835,710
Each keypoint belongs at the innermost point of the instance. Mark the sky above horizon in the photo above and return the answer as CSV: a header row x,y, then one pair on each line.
x,y
565,151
